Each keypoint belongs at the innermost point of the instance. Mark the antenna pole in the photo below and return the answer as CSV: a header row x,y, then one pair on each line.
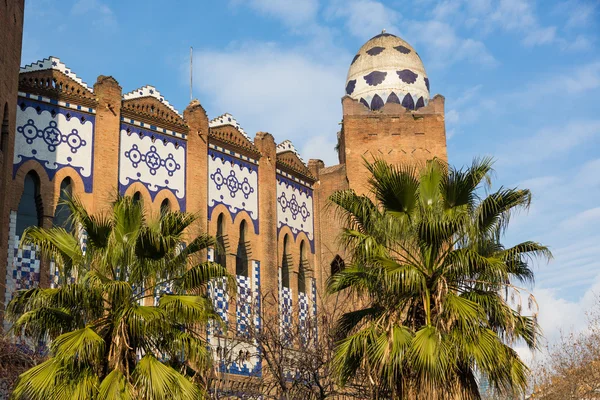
x,y
191,72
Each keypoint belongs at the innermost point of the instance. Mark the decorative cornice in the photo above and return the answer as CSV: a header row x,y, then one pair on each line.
x,y
227,119
54,63
149,91
229,136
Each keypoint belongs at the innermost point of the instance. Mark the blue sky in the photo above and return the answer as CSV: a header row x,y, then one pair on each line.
x,y
521,80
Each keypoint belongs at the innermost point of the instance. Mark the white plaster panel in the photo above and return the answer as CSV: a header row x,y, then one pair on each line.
x,y
157,164
56,140
294,207
234,183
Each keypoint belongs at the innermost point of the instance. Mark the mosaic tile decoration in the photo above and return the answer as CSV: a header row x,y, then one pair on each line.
x,y
303,316
217,291
54,272
155,160
257,293
56,137
244,304
388,70
295,208
23,264
286,312
233,183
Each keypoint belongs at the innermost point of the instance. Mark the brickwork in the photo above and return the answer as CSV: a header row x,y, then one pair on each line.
x,y
207,167
11,34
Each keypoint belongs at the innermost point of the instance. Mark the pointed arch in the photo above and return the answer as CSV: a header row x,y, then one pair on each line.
x,y
62,213
165,206
241,256
286,262
137,196
302,268
30,210
220,250
337,265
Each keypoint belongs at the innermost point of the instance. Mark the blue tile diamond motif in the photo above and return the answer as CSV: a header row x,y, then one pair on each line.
x,y
56,137
295,208
233,183
155,160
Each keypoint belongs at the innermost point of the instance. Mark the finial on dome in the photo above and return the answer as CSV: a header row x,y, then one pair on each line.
x,y
383,30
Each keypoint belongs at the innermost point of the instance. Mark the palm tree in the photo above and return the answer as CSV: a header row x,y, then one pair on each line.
x,y
435,282
114,333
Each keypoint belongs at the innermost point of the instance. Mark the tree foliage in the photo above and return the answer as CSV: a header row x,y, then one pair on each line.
x,y
112,331
426,259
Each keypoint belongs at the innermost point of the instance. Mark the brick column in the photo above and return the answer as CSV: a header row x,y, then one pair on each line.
x,y
267,211
106,141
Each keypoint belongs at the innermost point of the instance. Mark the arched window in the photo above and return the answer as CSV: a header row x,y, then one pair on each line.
x,y
285,263
165,206
137,197
337,265
241,256
30,210
4,131
302,269
220,257
62,212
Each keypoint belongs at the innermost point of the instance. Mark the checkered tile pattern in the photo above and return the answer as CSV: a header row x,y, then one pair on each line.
x,y
54,272
163,288
244,304
23,264
217,290
257,293
303,315
286,312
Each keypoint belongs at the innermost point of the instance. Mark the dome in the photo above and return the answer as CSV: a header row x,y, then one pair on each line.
x,y
386,69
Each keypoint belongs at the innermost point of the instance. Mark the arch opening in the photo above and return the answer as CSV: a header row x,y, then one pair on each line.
x,y
302,268
62,213
286,263
241,258
220,257
337,265
30,209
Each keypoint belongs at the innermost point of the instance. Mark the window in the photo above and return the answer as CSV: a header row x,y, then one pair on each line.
x,y
165,206
285,263
137,196
337,265
62,213
302,269
4,131
30,210
220,257
241,257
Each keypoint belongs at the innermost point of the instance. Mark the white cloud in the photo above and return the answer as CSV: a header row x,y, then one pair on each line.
x,y
96,11
283,91
580,221
292,12
365,18
550,142
540,36
444,46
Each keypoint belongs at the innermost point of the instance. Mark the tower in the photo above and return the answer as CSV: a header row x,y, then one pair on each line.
x,y
387,110
387,114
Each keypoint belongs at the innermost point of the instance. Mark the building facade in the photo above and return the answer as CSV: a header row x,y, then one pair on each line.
x,y
265,204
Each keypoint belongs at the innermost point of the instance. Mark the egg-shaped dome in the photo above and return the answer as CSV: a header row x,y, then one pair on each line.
x,y
386,69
